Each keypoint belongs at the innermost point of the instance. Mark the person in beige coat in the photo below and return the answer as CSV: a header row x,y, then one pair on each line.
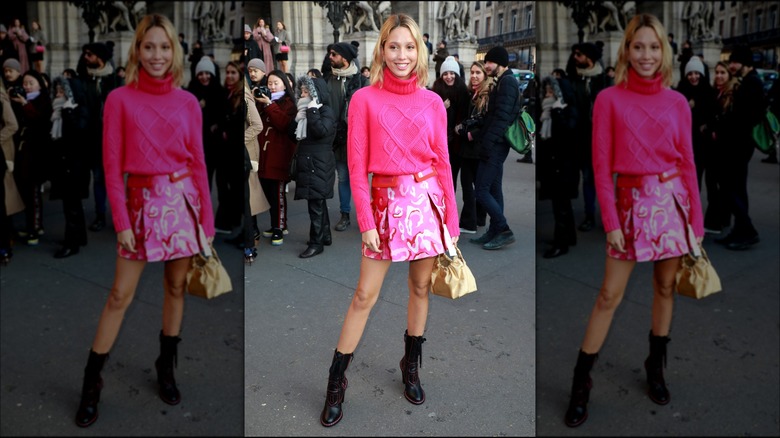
x,y
255,202
10,200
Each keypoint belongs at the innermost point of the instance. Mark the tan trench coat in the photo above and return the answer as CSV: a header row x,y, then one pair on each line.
x,y
8,127
253,125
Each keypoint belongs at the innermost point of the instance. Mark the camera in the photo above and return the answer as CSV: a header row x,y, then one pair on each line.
x,y
262,91
16,91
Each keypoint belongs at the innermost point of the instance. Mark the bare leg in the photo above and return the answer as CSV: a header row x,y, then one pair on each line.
x,y
173,304
663,294
128,272
617,273
419,285
372,275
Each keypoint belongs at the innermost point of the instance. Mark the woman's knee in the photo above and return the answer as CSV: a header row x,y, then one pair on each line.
x,y
608,300
364,298
119,300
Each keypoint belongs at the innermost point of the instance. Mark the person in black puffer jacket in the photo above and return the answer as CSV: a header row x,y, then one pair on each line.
x,y
315,162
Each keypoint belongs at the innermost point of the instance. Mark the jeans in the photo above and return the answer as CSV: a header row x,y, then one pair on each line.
x,y
489,192
345,192
99,189
589,191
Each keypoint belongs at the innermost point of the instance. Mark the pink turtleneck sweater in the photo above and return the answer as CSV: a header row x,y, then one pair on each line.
x,y
641,128
152,129
399,129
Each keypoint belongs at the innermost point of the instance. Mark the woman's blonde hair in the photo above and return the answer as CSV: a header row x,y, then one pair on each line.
x,y
482,92
378,64
133,64
636,23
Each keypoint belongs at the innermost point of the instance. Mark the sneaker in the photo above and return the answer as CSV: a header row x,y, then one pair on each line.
x,y
483,239
250,254
270,233
711,231
343,222
33,241
587,225
222,231
98,224
277,238
467,231
739,244
501,240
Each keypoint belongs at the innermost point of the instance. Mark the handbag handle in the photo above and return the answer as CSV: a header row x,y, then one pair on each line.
x,y
448,245
693,244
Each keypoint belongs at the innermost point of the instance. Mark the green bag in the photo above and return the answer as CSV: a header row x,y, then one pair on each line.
x,y
766,132
520,133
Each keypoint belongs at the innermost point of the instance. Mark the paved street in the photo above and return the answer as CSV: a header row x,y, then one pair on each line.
x,y
478,368
723,364
50,309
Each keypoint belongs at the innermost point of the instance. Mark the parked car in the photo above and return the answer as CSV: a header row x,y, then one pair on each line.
x,y
768,77
522,76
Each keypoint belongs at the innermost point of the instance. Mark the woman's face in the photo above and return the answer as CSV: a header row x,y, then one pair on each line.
x,y
477,76
693,77
204,78
275,84
232,76
645,52
400,53
721,76
279,25
156,52
449,78
30,84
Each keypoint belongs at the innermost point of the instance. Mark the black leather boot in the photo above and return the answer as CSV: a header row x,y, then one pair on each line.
x,y
412,357
164,364
316,232
337,386
90,390
654,365
580,390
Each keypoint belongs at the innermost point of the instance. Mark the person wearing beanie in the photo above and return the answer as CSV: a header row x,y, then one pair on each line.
x,y
587,75
205,65
13,64
252,48
343,77
503,110
694,65
397,134
451,87
749,106
256,70
99,79
264,37
439,56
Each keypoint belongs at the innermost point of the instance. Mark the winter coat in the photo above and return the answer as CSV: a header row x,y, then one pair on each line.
x,y
32,160
337,100
316,163
556,161
503,108
70,174
276,146
253,126
459,98
8,127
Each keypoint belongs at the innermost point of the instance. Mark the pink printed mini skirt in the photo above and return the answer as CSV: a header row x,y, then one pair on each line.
x,y
164,212
653,211
409,212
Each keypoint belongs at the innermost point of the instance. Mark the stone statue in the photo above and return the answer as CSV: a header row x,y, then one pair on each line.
x,y
210,18
611,15
448,15
699,17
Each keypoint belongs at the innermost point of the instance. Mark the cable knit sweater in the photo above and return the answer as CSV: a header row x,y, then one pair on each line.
x,y
642,128
152,129
399,129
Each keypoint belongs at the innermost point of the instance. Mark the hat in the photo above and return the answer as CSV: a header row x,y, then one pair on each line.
x,y
450,64
13,64
694,64
205,64
247,28
498,55
256,63
742,55
347,50
100,50
2,28
592,51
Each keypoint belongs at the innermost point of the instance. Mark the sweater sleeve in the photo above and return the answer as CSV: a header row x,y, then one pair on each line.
x,y
443,169
357,160
198,166
688,167
602,154
113,160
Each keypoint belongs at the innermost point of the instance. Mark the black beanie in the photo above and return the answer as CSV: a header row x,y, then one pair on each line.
x,y
592,51
100,50
498,55
742,54
346,50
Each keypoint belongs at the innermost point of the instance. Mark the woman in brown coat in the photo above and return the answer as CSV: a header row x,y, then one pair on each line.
x,y
276,150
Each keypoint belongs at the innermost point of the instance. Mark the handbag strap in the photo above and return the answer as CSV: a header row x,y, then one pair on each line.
x,y
205,248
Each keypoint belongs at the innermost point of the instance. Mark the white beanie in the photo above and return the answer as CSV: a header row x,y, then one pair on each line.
x,y
205,64
694,64
247,28
449,64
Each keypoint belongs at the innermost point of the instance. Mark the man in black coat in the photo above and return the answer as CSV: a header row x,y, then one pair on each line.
x,y
503,108
749,107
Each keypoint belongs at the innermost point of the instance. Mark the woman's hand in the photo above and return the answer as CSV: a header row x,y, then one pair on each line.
x,y
126,240
616,240
265,100
371,239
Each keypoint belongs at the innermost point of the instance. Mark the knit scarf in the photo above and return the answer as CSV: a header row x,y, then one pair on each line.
x,y
351,70
300,130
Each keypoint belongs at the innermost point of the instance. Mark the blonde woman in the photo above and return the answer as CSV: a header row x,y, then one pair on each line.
x,y
663,181
411,173
152,136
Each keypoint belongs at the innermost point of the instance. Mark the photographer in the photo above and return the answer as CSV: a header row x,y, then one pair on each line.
x,y
256,70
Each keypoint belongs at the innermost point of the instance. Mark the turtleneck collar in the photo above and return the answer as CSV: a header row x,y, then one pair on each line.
x,y
644,86
152,85
399,86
